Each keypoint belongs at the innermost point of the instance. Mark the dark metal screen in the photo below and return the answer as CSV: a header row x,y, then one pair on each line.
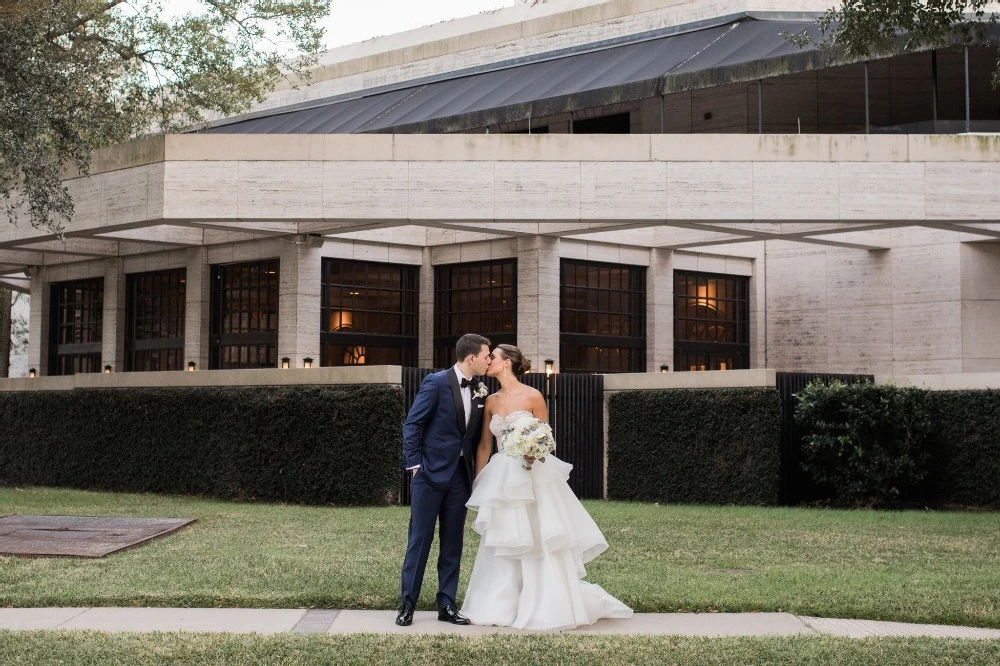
x,y
369,314
474,298
576,414
154,314
796,486
75,326
602,317
711,321
244,326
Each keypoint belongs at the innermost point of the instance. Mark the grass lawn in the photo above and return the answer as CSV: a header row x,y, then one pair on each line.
x,y
916,566
43,648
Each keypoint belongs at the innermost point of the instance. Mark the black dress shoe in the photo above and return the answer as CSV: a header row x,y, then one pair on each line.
x,y
450,614
405,617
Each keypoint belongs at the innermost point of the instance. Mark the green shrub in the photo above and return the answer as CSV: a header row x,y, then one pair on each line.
x,y
965,454
869,443
303,444
711,446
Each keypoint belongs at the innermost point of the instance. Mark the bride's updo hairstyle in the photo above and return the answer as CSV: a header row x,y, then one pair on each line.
x,y
518,364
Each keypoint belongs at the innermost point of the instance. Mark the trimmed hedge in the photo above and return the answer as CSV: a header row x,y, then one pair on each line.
x,y
704,446
867,442
965,448
301,444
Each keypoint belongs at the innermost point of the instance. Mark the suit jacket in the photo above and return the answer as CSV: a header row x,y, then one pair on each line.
x,y
435,435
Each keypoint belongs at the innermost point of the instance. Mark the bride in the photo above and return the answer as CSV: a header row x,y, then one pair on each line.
x,y
535,534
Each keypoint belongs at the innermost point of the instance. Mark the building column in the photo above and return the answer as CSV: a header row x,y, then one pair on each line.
x,y
113,325
538,299
660,310
38,321
197,306
300,273
425,312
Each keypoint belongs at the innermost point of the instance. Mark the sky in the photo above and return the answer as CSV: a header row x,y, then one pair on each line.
x,y
357,20
353,21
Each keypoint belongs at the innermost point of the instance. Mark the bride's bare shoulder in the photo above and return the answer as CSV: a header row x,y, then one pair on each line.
x,y
532,392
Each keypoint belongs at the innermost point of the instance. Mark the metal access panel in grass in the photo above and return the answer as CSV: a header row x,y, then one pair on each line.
x,y
80,536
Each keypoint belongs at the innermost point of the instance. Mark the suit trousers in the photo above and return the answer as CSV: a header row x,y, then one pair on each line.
x,y
430,505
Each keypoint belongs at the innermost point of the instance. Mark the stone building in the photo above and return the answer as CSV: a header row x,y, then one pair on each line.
x,y
616,186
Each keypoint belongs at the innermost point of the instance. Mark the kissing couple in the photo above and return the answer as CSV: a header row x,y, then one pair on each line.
x,y
535,535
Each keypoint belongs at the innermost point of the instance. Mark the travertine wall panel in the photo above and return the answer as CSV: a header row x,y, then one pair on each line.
x,y
299,304
425,341
712,190
797,339
283,190
450,190
659,310
538,299
603,186
859,278
980,288
882,191
804,191
925,273
537,190
927,332
201,190
365,190
126,196
859,336
197,307
980,335
965,191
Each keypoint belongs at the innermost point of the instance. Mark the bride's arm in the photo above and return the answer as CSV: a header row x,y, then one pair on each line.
x,y
485,439
540,410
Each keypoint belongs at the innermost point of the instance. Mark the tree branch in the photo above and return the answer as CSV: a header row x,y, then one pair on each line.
x,y
82,20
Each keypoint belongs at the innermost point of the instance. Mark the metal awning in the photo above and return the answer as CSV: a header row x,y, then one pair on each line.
x,y
585,77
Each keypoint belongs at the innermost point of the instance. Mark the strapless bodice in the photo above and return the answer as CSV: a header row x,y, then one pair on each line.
x,y
499,424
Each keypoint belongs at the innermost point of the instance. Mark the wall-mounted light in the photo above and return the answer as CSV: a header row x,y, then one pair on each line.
x,y
31,373
107,369
550,367
192,366
664,368
307,362
284,363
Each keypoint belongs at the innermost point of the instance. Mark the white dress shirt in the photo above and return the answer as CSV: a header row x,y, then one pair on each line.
x,y
466,393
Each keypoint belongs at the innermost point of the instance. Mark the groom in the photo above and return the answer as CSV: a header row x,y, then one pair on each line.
x,y
439,440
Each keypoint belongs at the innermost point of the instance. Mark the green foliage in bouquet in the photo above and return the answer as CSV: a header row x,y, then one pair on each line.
x,y
301,444
869,443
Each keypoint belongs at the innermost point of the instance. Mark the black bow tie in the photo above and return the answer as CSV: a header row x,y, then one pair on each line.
x,y
466,382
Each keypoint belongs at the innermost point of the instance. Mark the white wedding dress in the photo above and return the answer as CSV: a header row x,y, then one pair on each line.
x,y
536,538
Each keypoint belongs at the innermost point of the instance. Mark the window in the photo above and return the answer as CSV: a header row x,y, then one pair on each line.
x,y
244,326
154,312
369,314
75,326
711,321
602,318
474,298
619,123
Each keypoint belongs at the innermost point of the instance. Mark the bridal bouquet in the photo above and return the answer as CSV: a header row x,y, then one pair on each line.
x,y
529,437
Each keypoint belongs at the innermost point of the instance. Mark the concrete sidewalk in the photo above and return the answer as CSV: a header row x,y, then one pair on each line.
x,y
299,621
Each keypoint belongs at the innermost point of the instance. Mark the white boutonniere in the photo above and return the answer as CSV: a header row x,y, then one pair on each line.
x,y
481,391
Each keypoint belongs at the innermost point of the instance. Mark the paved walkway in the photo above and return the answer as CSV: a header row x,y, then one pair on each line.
x,y
265,621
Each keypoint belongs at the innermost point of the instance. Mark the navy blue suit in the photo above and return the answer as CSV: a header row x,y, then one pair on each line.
x,y
436,437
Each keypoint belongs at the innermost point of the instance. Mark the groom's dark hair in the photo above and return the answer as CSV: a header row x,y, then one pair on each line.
x,y
470,344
